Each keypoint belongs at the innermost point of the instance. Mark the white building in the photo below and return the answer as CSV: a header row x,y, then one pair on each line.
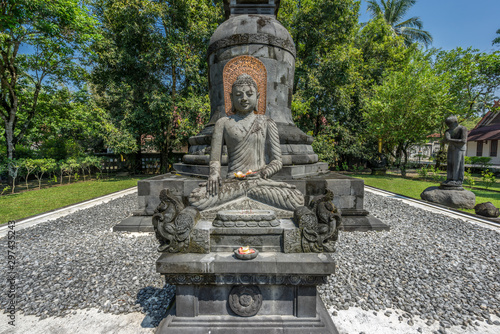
x,y
482,141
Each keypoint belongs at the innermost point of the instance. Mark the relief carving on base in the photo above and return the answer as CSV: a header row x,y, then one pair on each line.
x,y
245,300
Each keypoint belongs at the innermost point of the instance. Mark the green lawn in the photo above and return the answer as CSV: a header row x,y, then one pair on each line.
x,y
413,188
29,203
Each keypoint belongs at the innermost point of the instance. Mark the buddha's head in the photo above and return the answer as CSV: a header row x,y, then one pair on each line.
x,y
244,95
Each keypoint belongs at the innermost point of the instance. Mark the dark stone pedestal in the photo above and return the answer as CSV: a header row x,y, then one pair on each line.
x,y
273,293
450,196
321,324
348,191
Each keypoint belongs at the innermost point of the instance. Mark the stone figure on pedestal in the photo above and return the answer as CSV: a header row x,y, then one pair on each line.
x,y
450,192
456,138
253,145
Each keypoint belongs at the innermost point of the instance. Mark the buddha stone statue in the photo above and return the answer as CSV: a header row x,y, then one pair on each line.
x,y
253,146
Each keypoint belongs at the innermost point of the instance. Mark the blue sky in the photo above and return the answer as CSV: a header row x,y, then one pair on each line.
x,y
454,23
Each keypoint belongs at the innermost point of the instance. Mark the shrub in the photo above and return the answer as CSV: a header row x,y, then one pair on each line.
x,y
43,166
488,178
482,161
469,179
423,172
435,174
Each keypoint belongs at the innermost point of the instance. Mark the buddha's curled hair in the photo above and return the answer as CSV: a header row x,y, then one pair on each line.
x,y
245,79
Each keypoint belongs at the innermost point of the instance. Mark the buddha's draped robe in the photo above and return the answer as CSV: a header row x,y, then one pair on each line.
x,y
252,144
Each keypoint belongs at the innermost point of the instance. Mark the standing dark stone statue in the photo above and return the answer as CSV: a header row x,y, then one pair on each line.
x,y
456,138
450,192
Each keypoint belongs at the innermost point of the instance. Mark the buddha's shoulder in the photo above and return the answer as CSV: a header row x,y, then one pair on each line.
x,y
264,118
267,120
221,121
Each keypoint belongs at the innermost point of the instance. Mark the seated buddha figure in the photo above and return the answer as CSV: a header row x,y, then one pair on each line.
x,y
253,145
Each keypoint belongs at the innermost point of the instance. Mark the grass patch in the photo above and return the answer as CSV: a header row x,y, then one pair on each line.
x,y
29,203
413,188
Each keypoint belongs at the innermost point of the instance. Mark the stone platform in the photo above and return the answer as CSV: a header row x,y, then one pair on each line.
x,y
217,293
348,191
287,171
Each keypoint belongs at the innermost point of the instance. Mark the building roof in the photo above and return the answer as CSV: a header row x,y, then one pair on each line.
x,y
488,128
491,132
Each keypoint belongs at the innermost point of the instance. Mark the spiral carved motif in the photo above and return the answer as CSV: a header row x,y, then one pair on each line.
x,y
245,301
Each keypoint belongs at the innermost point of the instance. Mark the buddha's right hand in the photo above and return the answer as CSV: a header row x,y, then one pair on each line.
x,y
213,184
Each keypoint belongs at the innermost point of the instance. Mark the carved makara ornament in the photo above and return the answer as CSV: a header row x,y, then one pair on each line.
x,y
173,223
319,224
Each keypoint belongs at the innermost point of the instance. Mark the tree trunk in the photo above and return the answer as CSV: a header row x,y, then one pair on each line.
x,y
164,159
164,151
137,168
11,150
317,125
440,155
405,162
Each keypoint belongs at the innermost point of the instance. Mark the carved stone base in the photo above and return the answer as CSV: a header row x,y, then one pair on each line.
x,y
273,293
229,324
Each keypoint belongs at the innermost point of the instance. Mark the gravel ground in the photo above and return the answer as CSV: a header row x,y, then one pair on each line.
x,y
77,262
428,266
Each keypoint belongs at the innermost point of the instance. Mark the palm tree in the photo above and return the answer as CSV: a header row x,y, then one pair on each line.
x,y
497,40
393,12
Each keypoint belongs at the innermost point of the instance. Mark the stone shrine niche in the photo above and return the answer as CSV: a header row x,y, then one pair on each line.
x,y
261,37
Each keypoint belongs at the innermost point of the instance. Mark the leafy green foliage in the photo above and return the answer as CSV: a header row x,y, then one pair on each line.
x,y
469,179
488,178
408,106
150,71
55,33
424,172
43,166
473,78
481,161
497,39
393,12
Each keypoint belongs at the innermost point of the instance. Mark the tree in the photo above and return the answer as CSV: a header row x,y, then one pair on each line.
x,y
497,39
68,124
473,79
329,74
407,107
150,71
43,166
337,65
393,12
56,33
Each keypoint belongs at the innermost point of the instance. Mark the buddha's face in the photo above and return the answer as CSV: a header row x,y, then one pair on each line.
x,y
244,98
